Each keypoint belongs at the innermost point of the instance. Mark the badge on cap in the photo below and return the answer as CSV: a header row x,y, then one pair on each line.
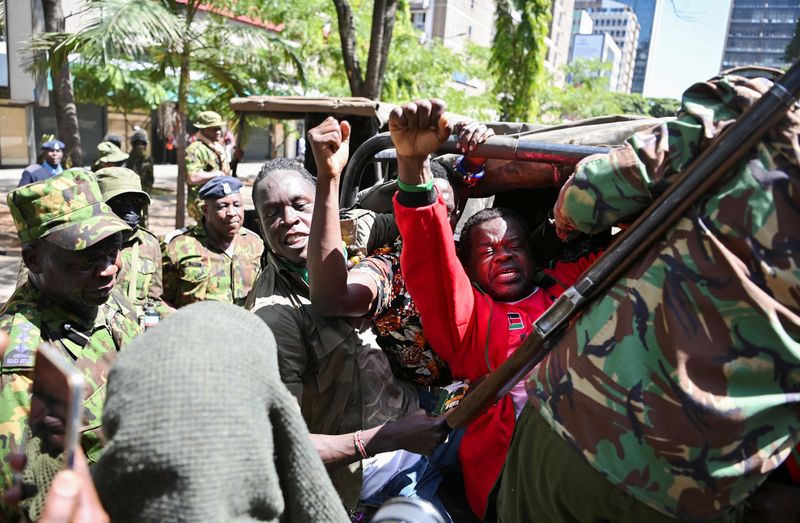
x,y
226,188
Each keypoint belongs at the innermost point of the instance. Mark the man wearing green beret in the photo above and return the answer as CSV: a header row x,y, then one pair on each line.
x,y
140,277
217,259
108,155
205,159
70,246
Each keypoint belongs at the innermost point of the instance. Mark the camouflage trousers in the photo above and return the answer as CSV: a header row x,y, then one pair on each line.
x,y
545,480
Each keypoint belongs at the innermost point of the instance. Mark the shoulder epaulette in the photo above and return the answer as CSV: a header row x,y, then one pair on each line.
x,y
174,234
24,338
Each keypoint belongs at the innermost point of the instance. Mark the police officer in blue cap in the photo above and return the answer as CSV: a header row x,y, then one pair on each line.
x,y
51,153
217,259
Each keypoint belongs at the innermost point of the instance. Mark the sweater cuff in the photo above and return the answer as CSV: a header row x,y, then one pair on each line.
x,y
417,199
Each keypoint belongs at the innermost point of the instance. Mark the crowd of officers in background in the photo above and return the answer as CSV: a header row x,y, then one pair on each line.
x,y
351,347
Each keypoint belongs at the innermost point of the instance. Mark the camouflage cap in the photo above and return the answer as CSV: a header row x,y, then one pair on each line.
x,y
107,152
114,181
208,119
66,210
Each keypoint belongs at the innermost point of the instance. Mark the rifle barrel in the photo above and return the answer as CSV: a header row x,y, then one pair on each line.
x,y
526,149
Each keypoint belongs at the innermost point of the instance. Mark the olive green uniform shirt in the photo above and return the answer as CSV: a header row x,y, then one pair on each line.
x,y
335,369
141,255
195,270
199,158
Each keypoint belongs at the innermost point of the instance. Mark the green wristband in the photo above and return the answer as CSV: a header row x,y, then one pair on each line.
x,y
423,187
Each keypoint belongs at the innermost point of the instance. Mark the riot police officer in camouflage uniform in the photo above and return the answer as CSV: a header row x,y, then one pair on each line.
x,y
140,277
205,159
217,259
142,164
70,245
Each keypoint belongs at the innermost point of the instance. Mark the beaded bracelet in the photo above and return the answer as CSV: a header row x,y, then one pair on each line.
x,y
358,444
468,177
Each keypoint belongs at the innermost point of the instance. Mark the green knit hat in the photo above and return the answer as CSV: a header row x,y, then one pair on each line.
x,y
107,152
208,119
114,181
66,210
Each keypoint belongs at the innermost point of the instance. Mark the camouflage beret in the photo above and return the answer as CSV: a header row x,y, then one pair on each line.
x,y
66,210
114,181
208,119
220,187
107,152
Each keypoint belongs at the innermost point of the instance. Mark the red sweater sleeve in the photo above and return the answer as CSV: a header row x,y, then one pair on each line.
x,y
437,281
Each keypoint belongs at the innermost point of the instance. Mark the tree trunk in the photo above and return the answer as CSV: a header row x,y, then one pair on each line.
x,y
63,95
180,130
347,34
383,15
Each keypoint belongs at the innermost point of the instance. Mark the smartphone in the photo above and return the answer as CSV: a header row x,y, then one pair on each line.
x,y
56,403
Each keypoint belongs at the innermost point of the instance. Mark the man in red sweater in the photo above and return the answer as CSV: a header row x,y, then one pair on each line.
x,y
476,314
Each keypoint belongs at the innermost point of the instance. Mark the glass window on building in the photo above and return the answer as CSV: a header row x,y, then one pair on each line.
x,y
418,20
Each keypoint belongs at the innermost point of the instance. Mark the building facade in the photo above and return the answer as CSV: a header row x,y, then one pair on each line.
x,y
648,14
558,39
619,22
599,46
455,22
759,31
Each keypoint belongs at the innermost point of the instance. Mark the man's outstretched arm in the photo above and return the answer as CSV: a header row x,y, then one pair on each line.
x,y
334,291
434,276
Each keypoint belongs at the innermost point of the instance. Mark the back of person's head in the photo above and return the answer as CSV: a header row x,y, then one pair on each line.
x,y
201,428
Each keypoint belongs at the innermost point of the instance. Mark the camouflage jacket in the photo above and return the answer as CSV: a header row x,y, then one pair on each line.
x,y
199,158
340,377
142,164
142,253
195,270
30,318
682,383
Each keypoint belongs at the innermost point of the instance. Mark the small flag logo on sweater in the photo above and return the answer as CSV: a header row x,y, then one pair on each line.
x,y
515,321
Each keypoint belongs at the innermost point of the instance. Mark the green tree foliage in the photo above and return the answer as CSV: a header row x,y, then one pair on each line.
x,y
588,96
170,40
123,88
428,69
415,68
793,48
518,56
593,75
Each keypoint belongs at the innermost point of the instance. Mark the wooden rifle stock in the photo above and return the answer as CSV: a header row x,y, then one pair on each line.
x,y
725,151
